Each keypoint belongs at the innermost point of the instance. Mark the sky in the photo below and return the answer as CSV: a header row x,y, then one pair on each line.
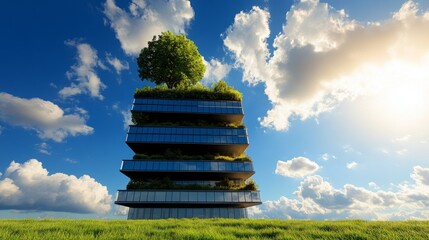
x,y
335,95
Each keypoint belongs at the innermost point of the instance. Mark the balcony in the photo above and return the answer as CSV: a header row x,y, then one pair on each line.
x,y
225,141
228,111
187,198
186,169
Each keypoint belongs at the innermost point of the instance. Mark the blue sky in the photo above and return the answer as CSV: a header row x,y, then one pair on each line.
x,y
335,96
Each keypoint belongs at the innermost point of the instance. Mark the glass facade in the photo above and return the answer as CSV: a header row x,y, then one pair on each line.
x,y
163,213
199,135
171,166
187,106
187,196
195,200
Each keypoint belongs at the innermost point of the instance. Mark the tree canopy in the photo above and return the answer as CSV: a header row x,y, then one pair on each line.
x,y
171,59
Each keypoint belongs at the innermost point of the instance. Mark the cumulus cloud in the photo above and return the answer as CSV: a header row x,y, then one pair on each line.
x,y
351,165
318,199
117,64
29,186
296,167
322,57
44,117
215,71
144,19
83,74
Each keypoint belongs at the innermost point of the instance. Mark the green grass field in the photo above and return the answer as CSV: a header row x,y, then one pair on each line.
x,y
211,229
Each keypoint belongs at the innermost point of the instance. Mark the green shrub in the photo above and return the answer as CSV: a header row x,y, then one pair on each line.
x,y
139,118
177,155
220,91
166,183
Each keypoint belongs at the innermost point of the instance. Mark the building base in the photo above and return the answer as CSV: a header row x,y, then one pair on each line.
x,y
164,213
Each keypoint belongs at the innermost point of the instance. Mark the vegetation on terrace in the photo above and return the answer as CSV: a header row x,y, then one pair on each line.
x,y
177,155
212,229
166,183
139,118
219,91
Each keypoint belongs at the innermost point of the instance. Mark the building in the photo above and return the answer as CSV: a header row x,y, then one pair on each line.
x,y
189,160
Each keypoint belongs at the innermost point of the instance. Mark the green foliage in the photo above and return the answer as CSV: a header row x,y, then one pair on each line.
x,y
171,59
212,229
177,155
220,91
139,118
166,183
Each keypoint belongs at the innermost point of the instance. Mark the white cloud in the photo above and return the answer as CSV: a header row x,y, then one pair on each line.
x,y
296,167
145,19
121,210
322,57
318,199
325,156
373,185
351,165
246,38
1,129
29,186
83,74
401,139
126,115
401,151
44,117
43,148
117,64
215,71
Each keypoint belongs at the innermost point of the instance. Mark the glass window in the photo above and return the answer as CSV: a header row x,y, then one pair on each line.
x,y
248,196
189,212
149,165
234,166
241,197
163,165
122,196
173,212
176,196
160,196
137,165
193,196
223,212
184,196
210,196
181,213
156,165
206,166
228,166
128,165
136,196
255,197
215,213
202,197
165,213
234,196
192,166
219,197
150,196
156,214
214,166
228,197
168,196
143,196
222,166
200,166
130,196
146,213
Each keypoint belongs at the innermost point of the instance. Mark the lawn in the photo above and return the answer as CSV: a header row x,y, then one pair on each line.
x,y
212,229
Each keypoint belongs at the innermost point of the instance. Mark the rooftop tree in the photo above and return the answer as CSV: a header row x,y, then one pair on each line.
x,y
171,59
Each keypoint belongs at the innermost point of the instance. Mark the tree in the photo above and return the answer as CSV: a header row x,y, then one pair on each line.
x,y
171,59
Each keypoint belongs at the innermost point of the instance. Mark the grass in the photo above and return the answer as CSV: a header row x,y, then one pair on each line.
x,y
212,229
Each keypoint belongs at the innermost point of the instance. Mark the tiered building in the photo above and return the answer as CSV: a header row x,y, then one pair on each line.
x,y
189,160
